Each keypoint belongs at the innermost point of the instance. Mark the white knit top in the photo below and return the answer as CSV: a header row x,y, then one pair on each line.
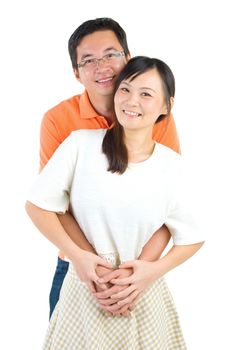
x,y
117,213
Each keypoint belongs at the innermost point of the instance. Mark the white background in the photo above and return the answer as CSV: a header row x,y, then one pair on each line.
x,y
194,38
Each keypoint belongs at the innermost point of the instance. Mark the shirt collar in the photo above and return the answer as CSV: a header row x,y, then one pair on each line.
x,y
86,109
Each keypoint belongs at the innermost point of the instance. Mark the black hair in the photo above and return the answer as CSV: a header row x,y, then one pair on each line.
x,y
113,143
95,25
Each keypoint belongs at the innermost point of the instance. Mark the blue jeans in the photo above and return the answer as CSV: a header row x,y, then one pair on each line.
x,y
60,273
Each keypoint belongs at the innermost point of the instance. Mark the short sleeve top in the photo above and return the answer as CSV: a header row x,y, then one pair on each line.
x,y
117,213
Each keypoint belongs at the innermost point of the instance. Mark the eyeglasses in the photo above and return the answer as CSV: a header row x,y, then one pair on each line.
x,y
110,57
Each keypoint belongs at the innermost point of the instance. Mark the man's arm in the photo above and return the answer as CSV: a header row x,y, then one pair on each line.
x,y
74,231
84,262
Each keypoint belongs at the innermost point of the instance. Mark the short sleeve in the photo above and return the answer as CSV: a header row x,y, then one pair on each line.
x,y
183,219
49,138
51,189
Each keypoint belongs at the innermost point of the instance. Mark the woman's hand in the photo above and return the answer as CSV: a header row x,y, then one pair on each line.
x,y
85,265
103,271
144,274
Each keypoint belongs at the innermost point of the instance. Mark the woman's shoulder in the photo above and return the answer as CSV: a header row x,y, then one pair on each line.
x,y
167,153
88,134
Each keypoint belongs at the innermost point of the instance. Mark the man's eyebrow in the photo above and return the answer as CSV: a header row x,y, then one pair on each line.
x,y
110,49
87,55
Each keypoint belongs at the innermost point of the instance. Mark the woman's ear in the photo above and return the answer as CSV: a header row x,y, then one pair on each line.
x,y
172,101
165,107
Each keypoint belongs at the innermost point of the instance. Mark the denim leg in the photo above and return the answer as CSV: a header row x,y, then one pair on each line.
x,y
60,273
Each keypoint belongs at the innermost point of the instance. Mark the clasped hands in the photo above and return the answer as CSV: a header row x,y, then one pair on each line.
x,y
124,286
114,298
117,291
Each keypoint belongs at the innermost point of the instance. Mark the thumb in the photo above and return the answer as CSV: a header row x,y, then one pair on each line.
x,y
109,276
102,262
91,287
127,265
94,277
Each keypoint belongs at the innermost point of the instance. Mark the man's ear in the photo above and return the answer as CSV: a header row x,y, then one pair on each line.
x,y
76,73
128,57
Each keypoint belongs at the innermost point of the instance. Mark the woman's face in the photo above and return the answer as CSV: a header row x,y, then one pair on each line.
x,y
139,103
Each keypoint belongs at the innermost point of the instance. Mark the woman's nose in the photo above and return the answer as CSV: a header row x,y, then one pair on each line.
x,y
132,99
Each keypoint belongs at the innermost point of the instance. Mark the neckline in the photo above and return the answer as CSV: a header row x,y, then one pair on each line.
x,y
149,159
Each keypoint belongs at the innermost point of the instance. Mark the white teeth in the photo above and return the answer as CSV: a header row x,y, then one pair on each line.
x,y
134,114
104,80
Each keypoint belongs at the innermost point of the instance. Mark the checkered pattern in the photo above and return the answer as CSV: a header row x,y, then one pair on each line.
x,y
78,323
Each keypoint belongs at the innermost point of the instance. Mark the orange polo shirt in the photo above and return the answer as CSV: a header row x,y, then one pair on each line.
x,y
77,113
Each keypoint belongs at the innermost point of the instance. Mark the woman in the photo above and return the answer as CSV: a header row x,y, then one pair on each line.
x,y
121,186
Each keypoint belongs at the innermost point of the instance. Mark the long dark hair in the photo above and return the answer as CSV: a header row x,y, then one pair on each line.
x,y
113,143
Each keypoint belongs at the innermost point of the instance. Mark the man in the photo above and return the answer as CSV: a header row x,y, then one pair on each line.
x,y
98,50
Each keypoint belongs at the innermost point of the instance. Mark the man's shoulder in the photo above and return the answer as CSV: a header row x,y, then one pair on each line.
x,y
69,105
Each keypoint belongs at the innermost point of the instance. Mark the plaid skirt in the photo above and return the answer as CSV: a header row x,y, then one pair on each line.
x,y
78,323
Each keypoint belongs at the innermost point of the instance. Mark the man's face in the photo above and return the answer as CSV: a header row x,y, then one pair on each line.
x,y
99,77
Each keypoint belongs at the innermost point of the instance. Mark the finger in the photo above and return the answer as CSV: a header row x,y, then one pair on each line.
x,y
91,287
123,311
134,303
102,262
129,299
112,308
124,293
108,313
106,302
126,313
101,287
93,277
109,276
109,292
122,281
127,265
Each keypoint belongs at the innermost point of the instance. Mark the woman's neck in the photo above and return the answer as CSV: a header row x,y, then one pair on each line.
x,y
139,144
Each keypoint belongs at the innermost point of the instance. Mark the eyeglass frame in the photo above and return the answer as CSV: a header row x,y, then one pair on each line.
x,y
97,60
